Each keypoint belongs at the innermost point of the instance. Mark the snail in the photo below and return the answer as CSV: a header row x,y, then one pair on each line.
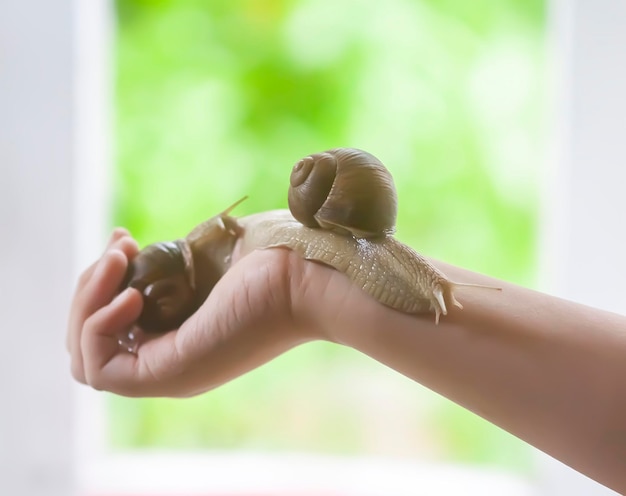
x,y
342,213
176,277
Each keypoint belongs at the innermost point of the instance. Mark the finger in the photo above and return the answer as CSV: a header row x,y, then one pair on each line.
x,y
98,292
100,342
120,241
117,234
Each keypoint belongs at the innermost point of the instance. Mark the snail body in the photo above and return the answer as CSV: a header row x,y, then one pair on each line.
x,y
343,207
390,271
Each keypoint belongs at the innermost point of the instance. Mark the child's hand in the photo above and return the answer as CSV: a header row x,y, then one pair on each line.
x,y
247,320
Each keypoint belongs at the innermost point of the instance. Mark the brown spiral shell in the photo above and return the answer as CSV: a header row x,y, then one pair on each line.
x,y
344,189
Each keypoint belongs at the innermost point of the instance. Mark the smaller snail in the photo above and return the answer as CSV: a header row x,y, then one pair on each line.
x,y
163,272
343,208
176,277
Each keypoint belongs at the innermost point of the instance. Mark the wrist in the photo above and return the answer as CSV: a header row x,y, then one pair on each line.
x,y
317,294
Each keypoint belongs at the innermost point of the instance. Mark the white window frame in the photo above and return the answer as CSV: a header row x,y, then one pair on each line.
x,y
55,101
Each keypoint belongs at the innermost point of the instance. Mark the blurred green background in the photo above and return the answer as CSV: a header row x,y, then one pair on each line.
x,y
217,99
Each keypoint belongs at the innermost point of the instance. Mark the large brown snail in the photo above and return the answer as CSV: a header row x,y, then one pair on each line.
x,y
343,207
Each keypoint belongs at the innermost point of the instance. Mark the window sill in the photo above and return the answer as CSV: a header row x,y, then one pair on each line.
x,y
257,474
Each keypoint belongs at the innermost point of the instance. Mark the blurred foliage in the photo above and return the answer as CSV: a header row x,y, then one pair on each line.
x,y
216,100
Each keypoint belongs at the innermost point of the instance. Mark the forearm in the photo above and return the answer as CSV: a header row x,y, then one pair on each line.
x,y
547,370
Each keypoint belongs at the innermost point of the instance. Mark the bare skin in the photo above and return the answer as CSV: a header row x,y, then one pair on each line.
x,y
547,370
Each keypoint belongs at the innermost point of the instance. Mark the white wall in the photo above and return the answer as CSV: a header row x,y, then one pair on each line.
x,y
51,99
584,233
36,160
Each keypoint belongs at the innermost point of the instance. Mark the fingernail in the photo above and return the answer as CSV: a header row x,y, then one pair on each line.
x,y
120,231
116,233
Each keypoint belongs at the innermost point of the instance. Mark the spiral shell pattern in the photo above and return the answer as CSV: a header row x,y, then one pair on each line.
x,y
345,190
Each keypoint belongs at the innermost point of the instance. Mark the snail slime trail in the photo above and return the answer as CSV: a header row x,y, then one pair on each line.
x,y
342,213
